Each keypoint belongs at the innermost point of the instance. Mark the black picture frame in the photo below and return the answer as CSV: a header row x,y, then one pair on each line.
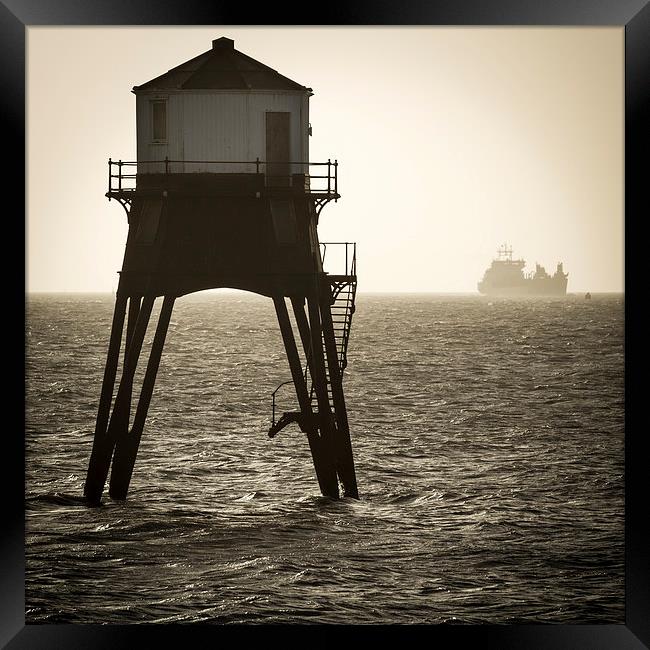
x,y
633,15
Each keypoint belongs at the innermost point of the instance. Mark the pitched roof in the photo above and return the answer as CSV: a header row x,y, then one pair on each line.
x,y
222,67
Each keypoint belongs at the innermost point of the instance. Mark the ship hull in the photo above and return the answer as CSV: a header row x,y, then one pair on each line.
x,y
542,287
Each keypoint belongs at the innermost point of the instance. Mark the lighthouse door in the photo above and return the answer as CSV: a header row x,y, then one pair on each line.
x,y
278,154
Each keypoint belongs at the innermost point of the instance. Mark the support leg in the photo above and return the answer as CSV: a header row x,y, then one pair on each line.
x,y
135,302
298,305
325,472
126,448
121,410
97,456
343,445
319,377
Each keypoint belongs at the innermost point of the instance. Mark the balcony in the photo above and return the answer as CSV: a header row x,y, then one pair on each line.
x,y
318,179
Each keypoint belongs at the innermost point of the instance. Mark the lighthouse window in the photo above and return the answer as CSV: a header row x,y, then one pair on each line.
x,y
284,221
159,120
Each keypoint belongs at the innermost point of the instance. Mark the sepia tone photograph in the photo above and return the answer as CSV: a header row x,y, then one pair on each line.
x,y
325,325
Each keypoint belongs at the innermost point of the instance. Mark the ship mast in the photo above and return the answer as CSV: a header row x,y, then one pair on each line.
x,y
505,252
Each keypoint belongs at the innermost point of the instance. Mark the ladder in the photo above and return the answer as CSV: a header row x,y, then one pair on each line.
x,y
343,290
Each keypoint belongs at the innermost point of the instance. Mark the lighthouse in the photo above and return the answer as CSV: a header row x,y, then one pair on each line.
x,y
223,194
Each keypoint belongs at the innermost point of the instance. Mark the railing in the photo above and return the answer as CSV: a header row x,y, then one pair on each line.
x,y
285,383
122,174
342,259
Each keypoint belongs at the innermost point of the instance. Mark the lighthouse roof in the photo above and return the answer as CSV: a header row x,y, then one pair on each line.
x,y
222,68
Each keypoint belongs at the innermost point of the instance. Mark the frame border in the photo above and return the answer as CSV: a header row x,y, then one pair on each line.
x,y
633,15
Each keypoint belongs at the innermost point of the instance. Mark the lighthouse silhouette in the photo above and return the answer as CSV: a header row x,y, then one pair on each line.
x,y
223,195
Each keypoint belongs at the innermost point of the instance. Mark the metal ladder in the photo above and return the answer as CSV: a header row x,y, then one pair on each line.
x,y
342,309
343,289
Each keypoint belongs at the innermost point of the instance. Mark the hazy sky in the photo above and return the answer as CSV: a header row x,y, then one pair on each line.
x,y
450,142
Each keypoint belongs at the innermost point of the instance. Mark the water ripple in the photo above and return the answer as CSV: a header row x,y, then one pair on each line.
x,y
488,440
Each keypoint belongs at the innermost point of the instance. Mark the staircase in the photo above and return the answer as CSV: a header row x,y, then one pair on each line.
x,y
343,290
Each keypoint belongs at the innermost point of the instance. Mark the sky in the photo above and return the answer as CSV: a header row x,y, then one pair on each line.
x,y
450,142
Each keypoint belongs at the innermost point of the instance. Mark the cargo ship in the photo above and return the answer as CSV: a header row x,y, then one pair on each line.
x,y
506,277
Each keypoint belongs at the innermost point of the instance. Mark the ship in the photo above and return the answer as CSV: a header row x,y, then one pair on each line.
x,y
506,277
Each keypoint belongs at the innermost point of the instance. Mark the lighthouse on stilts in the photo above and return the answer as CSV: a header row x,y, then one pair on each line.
x,y
222,195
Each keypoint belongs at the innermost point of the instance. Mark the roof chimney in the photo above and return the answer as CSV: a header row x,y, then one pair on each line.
x,y
223,43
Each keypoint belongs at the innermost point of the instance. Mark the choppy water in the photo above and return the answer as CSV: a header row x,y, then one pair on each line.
x,y
488,440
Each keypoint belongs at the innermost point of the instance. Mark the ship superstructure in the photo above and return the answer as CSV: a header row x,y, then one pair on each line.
x,y
506,277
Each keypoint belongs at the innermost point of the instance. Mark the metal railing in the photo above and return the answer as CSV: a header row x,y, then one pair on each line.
x,y
273,408
342,259
122,174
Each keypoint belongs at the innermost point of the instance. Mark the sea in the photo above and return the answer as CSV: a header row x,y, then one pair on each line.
x,y
488,439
